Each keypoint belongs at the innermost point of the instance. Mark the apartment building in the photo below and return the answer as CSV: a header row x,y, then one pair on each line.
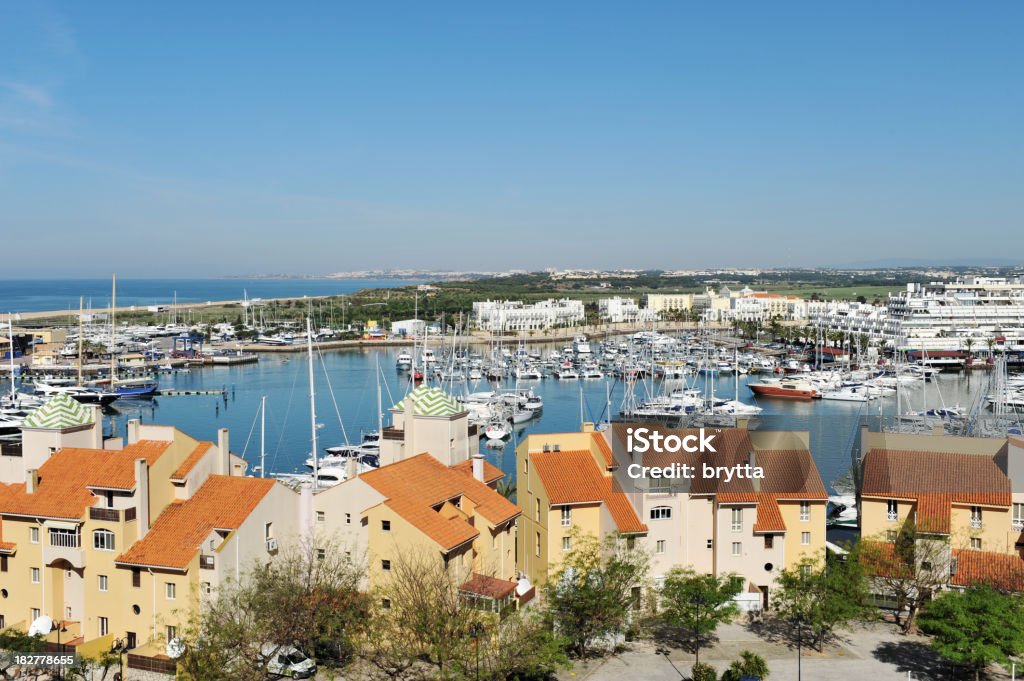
x,y
618,310
752,528
124,541
498,316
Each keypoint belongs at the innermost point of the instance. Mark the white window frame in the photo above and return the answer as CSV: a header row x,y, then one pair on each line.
x,y
805,511
567,543
659,546
737,548
103,583
108,541
805,539
566,516
737,519
661,513
104,626
976,522
892,510
35,575
1018,517
33,535
170,591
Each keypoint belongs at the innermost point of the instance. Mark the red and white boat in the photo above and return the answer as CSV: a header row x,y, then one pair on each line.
x,y
794,390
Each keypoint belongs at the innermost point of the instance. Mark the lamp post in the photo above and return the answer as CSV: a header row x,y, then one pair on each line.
x,y
476,630
698,600
799,645
119,646
59,627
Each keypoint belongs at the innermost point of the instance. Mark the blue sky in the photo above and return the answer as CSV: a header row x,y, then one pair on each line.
x,y
199,139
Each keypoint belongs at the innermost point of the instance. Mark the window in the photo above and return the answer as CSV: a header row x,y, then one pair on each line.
x,y
526,471
170,591
171,632
805,538
35,614
64,538
536,512
976,543
711,543
104,626
35,575
805,511
737,548
321,554
805,571
385,603
769,541
892,510
33,535
737,520
348,518
661,513
976,517
103,540
268,530
207,588
890,535
136,578
385,525
321,516
566,516
1018,517
103,582
385,565
538,544
659,546
3,563
566,543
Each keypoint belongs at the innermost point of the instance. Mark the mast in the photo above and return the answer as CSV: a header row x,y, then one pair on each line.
x,y
113,332
80,343
263,438
10,337
312,406
380,407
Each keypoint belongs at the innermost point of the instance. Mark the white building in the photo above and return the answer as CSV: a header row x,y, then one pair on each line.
x,y
409,327
623,310
514,315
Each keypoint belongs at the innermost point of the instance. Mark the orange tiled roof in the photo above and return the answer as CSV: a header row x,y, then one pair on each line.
x,y
573,477
769,516
221,503
191,460
604,448
489,587
65,479
998,570
415,486
936,481
491,472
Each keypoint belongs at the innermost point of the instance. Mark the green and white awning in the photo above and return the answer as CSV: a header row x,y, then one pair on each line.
x,y
428,401
60,411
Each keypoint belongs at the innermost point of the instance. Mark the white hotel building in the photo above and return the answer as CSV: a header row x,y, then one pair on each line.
x,y
513,315
623,310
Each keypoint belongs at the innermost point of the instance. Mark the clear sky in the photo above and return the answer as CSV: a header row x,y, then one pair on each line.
x,y
208,138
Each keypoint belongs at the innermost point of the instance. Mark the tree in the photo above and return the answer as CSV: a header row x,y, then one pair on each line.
x,y
909,569
507,489
692,605
750,665
308,597
594,590
703,672
975,627
12,640
822,597
428,628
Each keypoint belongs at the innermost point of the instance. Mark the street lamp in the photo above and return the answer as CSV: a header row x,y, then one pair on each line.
x,y
119,646
59,627
698,600
799,645
476,630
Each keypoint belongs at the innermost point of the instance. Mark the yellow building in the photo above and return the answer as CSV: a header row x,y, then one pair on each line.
x,y
752,528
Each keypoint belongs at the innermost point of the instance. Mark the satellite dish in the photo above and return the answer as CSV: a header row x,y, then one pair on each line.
x,y
175,648
41,626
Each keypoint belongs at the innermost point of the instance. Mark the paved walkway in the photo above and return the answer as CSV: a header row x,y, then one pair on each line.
x,y
875,652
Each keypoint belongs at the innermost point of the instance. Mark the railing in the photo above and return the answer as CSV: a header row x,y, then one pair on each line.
x,y
206,562
392,433
106,514
65,539
1018,525
975,523
891,517
129,514
152,664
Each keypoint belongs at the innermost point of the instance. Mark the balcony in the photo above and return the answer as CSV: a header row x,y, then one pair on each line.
x,y
72,554
392,433
111,515
206,562
975,523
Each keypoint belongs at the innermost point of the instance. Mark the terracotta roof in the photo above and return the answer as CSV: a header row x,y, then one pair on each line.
x,y
769,516
176,536
604,448
491,472
65,479
880,560
573,477
998,570
489,587
191,460
936,481
415,486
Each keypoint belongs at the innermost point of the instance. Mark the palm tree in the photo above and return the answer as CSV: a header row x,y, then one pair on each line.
x,y
507,489
750,665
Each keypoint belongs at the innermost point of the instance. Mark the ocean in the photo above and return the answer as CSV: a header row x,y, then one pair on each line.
x,y
38,295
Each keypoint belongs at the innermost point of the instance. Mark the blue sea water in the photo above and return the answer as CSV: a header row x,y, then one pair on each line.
x,y
35,295
346,394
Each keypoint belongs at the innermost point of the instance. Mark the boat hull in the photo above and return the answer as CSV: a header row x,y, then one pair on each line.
x,y
786,393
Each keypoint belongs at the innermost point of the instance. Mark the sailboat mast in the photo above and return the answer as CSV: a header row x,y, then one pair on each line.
x,y
113,332
380,406
312,405
80,341
10,337
263,436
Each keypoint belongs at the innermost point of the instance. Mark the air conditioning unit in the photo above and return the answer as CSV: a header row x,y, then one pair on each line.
x,y
271,544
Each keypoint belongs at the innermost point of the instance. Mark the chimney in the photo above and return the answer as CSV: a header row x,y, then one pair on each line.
x,y
133,431
142,496
31,481
588,426
864,437
478,466
97,426
742,423
223,444
352,468
752,460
